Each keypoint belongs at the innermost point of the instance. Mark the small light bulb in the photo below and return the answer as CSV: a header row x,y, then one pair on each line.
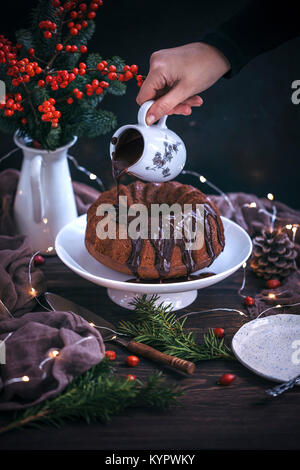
x,y
25,378
202,179
33,292
92,176
289,226
244,265
271,296
252,204
278,306
49,249
294,230
45,220
92,324
54,353
270,196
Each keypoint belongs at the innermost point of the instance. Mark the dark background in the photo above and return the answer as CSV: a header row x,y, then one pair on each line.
x,y
246,136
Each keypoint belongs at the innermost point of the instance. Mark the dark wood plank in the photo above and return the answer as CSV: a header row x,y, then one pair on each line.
x,y
235,417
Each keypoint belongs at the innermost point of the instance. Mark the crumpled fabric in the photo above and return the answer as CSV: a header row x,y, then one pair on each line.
x,y
29,342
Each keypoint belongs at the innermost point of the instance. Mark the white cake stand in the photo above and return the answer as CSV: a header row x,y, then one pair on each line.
x,y
71,250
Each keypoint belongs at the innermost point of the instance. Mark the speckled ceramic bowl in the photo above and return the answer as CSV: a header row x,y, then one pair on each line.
x,y
270,346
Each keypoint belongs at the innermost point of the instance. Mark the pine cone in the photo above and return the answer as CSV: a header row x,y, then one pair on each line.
x,y
273,255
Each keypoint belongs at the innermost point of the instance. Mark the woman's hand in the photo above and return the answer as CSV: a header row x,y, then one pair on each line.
x,y
179,74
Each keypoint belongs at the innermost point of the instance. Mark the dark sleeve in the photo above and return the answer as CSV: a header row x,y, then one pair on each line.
x,y
260,26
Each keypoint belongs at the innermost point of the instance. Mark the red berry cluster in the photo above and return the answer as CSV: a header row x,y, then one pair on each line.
x,y
8,52
60,80
49,26
50,114
12,104
96,87
22,70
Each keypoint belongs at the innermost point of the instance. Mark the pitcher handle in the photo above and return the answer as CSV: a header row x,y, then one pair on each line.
x,y
143,112
36,188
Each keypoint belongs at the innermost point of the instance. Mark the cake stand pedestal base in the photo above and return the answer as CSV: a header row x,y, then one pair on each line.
x,y
178,300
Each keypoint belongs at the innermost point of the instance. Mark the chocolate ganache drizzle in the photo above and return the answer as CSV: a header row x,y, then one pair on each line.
x,y
128,150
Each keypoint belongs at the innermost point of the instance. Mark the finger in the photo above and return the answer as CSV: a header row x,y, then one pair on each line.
x,y
166,103
182,109
152,84
194,101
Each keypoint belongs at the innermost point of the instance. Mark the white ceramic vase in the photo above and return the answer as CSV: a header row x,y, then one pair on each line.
x,y
44,200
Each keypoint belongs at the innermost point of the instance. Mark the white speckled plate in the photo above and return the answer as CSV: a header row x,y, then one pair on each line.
x,y
270,346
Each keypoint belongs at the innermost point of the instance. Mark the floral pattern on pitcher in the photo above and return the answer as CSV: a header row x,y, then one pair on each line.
x,y
159,160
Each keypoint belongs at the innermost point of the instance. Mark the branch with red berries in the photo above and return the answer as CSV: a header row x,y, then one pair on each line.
x,y
51,93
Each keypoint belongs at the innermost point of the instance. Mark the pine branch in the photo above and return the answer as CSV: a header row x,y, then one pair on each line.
x,y
158,326
96,396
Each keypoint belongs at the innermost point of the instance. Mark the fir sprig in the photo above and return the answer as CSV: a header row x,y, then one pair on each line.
x,y
157,326
95,396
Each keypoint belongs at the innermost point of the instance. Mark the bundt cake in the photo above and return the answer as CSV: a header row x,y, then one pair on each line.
x,y
149,258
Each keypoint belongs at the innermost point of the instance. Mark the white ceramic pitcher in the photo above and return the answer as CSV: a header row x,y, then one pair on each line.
x,y
44,200
164,153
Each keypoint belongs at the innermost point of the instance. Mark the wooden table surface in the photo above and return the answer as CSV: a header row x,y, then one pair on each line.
x,y
239,416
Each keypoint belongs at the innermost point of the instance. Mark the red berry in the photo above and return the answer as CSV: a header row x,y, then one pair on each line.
x,y
130,377
126,68
73,31
121,77
56,3
227,379
38,260
83,6
74,14
99,90
100,66
52,101
79,95
24,121
59,47
91,15
84,24
38,70
70,100
94,6
68,48
95,83
26,78
75,71
134,68
104,84
132,361
112,76
112,68
49,79
128,75
249,301
41,83
8,112
219,332
111,355
71,24
31,51
273,283
18,97
74,48
83,49
47,34
82,65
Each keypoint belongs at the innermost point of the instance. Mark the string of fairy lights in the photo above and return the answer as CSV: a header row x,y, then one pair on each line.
x,y
54,354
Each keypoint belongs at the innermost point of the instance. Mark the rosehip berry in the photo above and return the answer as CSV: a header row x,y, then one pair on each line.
x,y
31,51
83,49
128,75
219,332
59,47
130,377
91,15
73,31
47,34
24,121
111,355
132,361
273,283
227,379
134,68
249,301
38,260
41,83
112,76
